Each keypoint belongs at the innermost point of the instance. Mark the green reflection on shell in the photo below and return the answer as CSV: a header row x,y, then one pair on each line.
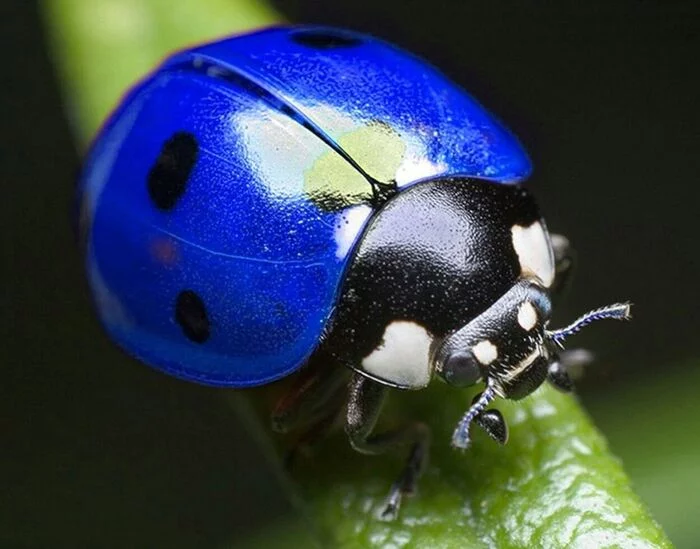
x,y
332,183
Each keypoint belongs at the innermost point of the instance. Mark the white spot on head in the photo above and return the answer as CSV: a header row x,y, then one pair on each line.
x,y
403,357
485,352
534,252
527,316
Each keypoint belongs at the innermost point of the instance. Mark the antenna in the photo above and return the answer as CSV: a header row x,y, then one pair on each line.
x,y
460,437
618,311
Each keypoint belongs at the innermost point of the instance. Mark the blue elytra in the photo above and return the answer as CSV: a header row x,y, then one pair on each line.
x,y
221,203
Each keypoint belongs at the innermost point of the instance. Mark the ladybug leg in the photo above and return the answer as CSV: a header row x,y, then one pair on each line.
x,y
571,361
494,424
559,378
559,369
364,405
315,433
315,392
564,261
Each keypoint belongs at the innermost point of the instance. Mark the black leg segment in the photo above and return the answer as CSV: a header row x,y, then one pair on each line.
x,y
364,405
317,392
494,424
558,374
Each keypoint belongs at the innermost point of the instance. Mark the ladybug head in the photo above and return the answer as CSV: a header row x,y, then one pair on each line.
x,y
510,348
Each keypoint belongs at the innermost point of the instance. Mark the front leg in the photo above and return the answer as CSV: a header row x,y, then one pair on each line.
x,y
558,374
312,404
564,265
364,405
317,392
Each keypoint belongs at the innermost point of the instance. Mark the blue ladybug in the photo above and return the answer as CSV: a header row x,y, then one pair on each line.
x,y
308,198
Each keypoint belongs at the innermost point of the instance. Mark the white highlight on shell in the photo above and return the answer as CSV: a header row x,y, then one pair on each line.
x,y
280,148
527,316
105,157
485,352
352,222
403,357
109,308
416,165
534,252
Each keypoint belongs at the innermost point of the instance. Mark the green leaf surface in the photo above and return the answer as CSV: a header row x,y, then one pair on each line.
x,y
554,485
654,426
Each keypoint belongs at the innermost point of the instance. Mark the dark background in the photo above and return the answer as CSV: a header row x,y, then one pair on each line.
x,y
605,99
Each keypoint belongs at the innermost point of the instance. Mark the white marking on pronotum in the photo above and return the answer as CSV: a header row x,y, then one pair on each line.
x,y
527,316
485,352
534,252
403,357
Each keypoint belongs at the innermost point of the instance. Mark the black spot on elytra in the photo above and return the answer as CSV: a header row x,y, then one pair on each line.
x,y
191,315
167,179
325,39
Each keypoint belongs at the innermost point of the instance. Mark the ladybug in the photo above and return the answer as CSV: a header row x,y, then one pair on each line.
x,y
309,198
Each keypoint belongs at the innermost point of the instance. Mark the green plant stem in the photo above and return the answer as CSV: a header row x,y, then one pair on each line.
x,y
104,46
554,485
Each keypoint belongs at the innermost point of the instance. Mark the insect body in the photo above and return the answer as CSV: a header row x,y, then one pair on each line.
x,y
310,197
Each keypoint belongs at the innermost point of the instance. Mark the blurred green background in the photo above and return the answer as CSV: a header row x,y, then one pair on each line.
x,y
605,98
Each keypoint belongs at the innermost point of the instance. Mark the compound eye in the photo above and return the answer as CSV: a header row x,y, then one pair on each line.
x,y
461,369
